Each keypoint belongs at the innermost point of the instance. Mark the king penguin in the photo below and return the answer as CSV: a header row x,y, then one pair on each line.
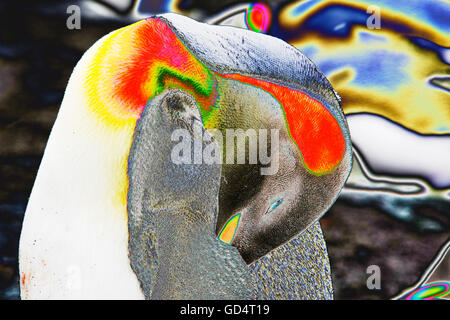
x,y
90,227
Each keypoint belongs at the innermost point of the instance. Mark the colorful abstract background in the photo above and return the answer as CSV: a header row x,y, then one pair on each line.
x,y
388,60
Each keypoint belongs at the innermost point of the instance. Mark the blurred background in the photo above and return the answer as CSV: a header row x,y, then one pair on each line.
x,y
388,60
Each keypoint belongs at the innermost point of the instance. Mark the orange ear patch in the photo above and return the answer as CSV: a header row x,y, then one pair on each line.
x,y
310,124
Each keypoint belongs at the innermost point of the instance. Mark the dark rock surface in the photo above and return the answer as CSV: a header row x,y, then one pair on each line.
x,y
358,237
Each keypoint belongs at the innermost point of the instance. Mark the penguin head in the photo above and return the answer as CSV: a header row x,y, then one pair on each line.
x,y
259,212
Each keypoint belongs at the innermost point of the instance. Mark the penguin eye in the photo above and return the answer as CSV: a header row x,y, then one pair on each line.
x,y
274,205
